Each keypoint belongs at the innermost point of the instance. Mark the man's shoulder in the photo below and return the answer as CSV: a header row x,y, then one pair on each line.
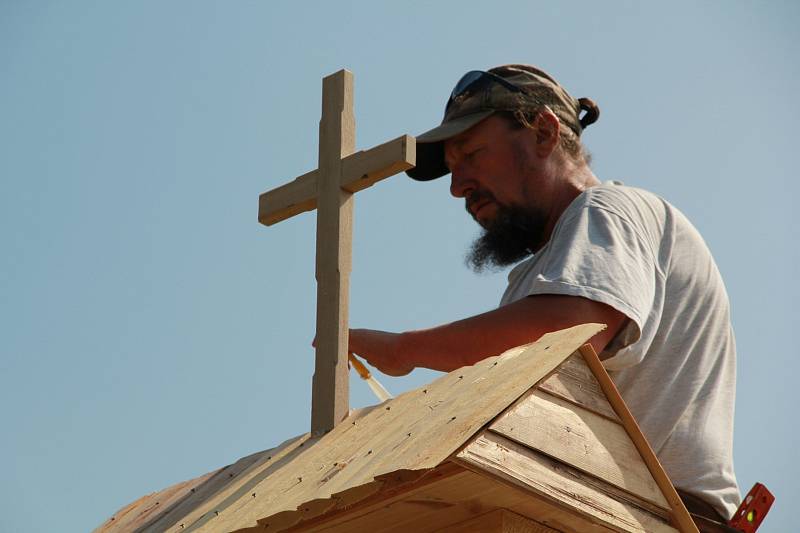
x,y
611,193
621,200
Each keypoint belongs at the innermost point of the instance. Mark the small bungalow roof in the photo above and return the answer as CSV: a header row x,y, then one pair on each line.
x,y
416,431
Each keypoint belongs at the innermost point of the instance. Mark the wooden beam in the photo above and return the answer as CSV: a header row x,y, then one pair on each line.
x,y
359,171
680,516
330,394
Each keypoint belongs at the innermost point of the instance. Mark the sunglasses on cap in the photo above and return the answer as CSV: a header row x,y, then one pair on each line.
x,y
475,80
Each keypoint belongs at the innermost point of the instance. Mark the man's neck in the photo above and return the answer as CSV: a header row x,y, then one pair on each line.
x,y
577,179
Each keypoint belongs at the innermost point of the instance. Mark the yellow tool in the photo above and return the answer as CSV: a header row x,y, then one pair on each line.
x,y
365,374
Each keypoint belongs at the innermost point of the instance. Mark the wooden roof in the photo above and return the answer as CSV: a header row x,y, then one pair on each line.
x,y
444,443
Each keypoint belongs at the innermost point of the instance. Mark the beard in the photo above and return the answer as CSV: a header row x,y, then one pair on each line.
x,y
510,237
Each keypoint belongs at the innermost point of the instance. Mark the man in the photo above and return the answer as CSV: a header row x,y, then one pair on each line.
x,y
593,253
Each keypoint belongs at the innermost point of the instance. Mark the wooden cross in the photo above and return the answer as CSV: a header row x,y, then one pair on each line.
x,y
329,189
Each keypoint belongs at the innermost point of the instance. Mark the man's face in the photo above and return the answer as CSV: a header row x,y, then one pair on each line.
x,y
485,165
494,169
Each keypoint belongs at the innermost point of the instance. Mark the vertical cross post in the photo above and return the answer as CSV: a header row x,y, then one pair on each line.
x,y
330,396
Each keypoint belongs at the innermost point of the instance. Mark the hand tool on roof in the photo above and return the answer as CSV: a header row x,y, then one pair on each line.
x,y
373,383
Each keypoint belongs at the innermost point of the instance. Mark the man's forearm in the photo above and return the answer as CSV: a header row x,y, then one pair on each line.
x,y
470,340
466,341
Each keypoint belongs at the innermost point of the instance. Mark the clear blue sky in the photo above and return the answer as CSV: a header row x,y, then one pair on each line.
x,y
151,330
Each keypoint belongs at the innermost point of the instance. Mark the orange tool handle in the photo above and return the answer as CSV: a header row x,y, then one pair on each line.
x,y
359,366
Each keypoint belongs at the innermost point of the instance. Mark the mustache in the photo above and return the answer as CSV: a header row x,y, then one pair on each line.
x,y
475,197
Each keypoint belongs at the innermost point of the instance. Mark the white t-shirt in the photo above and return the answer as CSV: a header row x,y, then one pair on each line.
x,y
675,361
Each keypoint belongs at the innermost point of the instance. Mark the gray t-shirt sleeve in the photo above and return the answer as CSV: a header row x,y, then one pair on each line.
x,y
596,253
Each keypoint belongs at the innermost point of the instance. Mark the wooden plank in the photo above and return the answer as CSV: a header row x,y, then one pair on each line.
x,y
359,171
680,516
584,440
575,382
499,521
559,483
416,430
330,385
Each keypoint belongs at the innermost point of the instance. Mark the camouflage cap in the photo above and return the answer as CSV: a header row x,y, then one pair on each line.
x,y
480,94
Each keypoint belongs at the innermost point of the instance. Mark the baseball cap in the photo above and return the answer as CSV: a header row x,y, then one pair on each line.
x,y
479,94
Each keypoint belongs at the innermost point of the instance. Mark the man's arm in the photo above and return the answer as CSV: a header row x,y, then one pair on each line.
x,y
468,341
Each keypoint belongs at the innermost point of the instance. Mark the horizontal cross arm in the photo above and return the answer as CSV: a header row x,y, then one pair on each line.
x,y
359,171
367,168
288,200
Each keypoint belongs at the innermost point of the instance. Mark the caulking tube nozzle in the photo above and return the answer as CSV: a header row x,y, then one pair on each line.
x,y
373,383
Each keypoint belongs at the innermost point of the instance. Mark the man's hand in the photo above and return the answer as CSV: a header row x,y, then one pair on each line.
x,y
382,350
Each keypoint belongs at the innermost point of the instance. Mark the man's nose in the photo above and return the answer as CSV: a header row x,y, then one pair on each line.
x,y
460,183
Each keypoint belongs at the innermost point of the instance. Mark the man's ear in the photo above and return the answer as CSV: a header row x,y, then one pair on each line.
x,y
546,128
